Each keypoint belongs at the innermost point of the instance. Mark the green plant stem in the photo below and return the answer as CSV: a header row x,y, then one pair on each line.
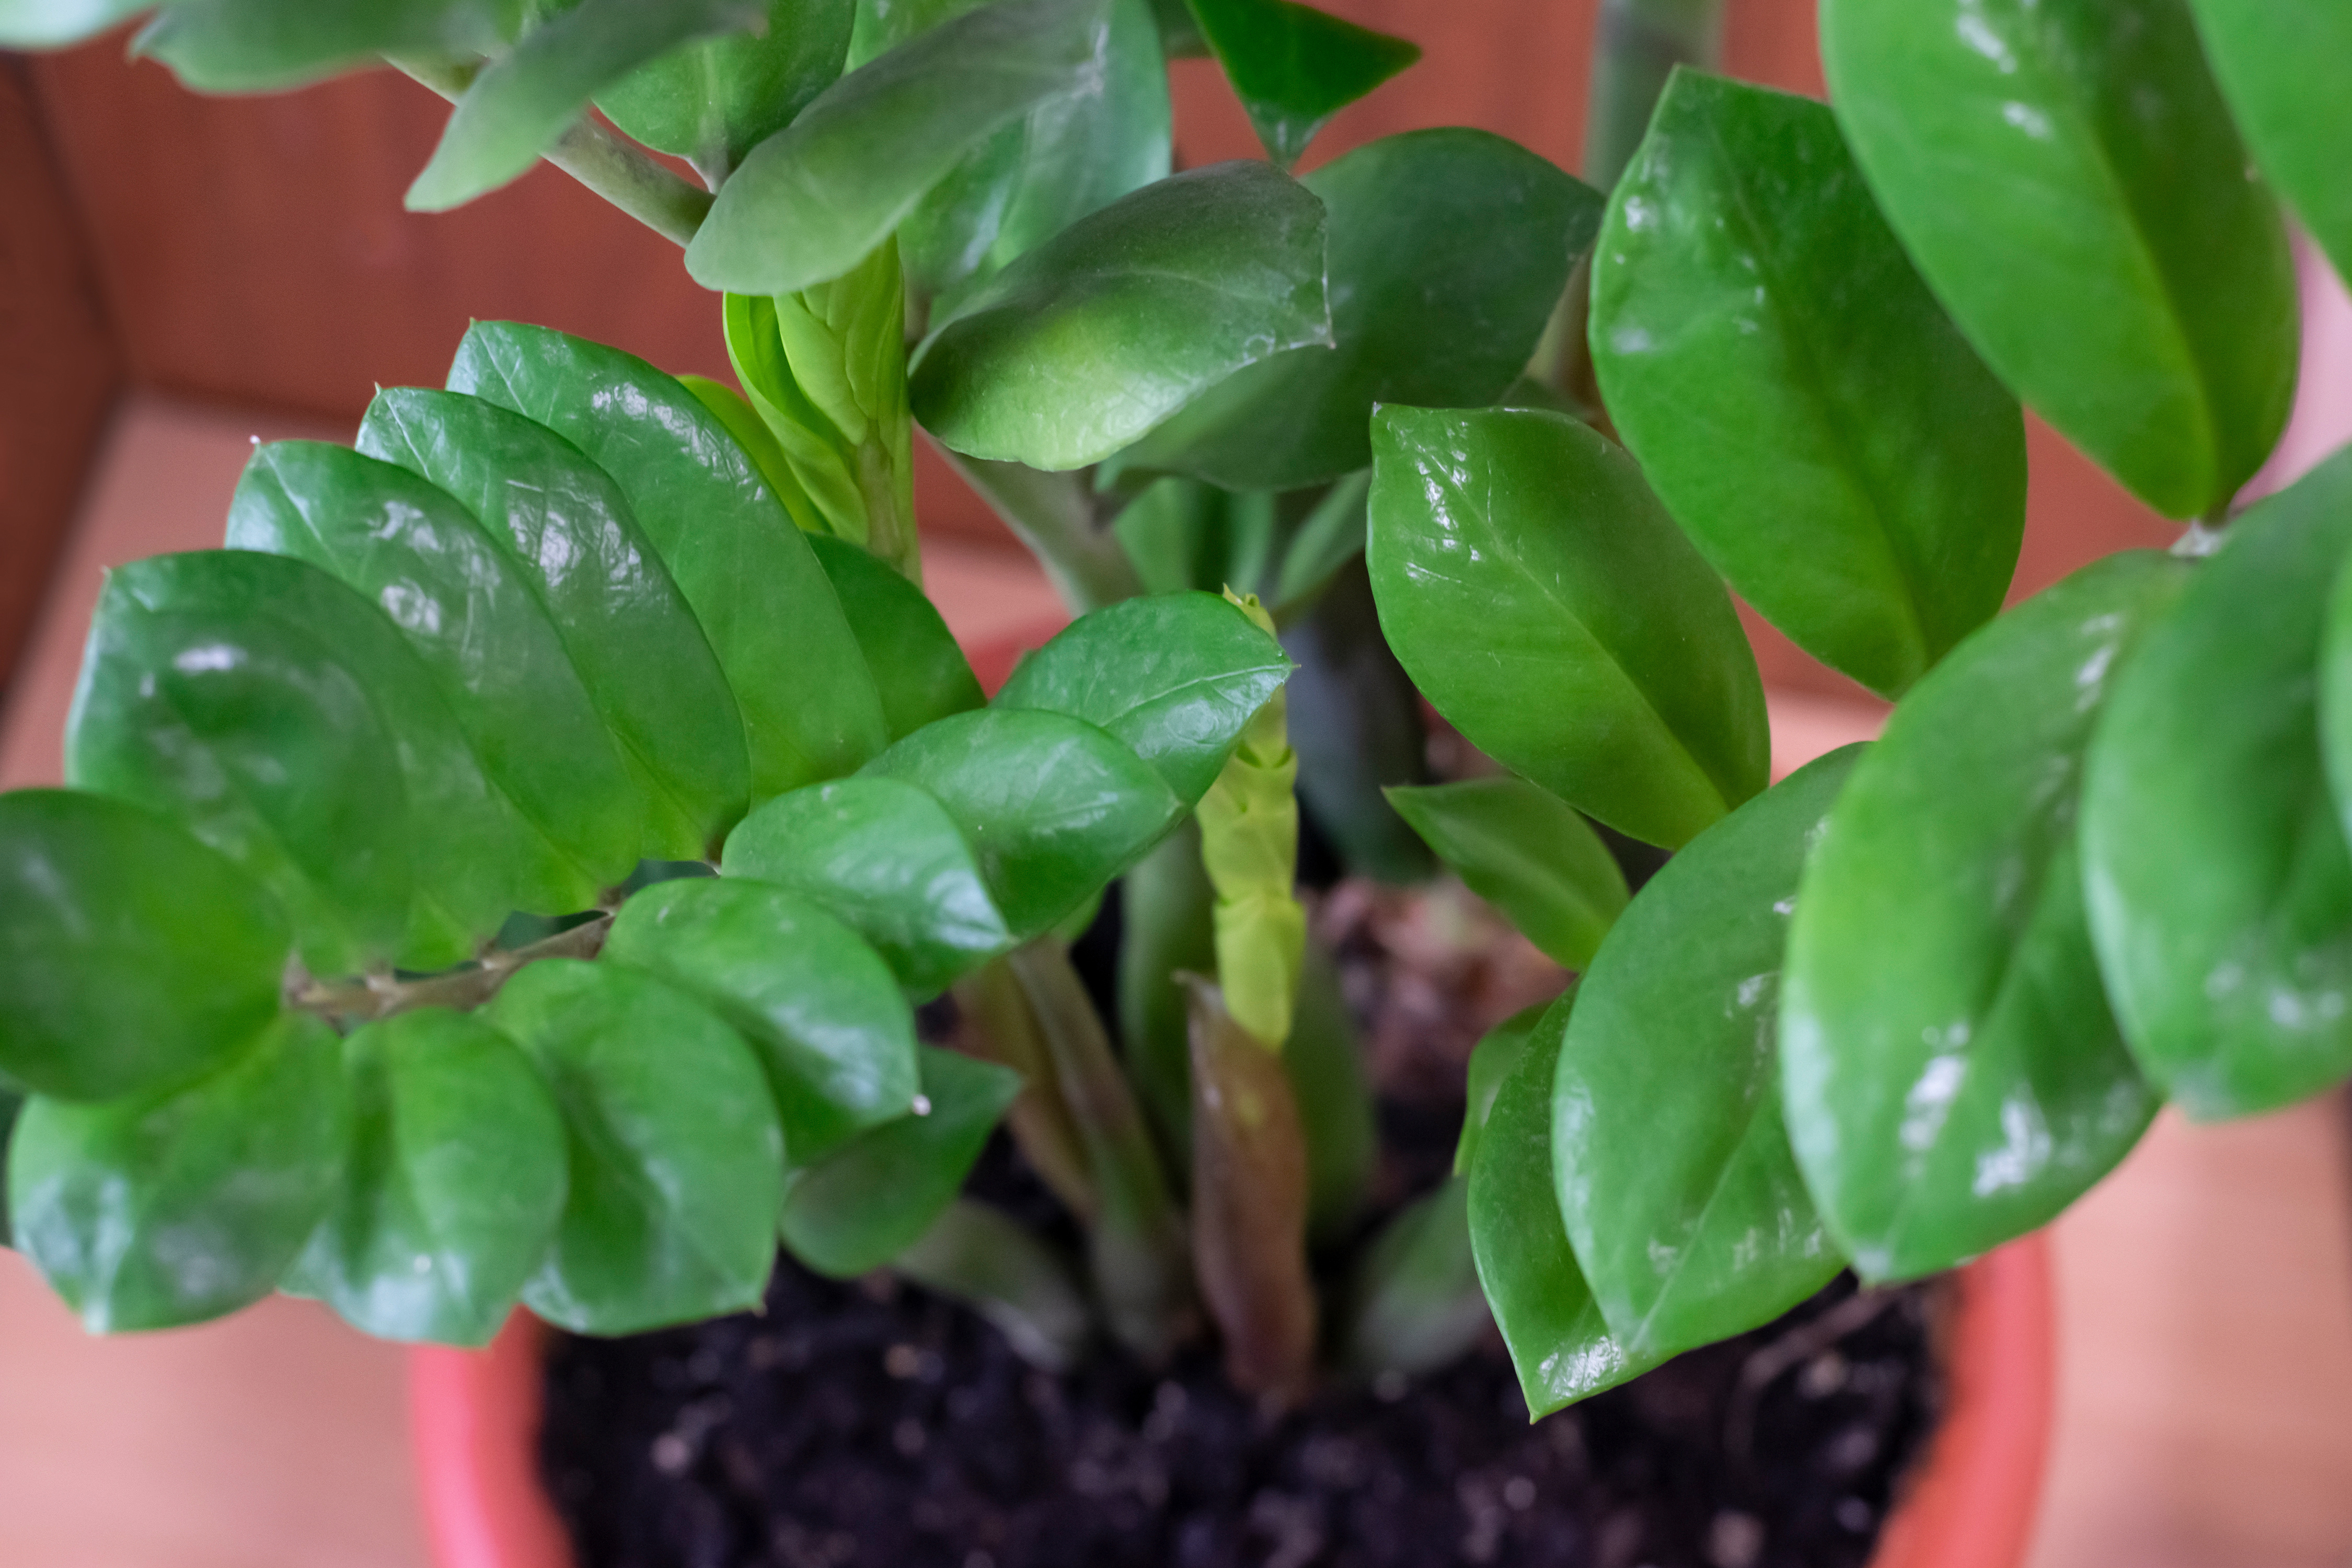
x,y
618,171
982,1258
1002,1027
1054,517
381,998
1138,1245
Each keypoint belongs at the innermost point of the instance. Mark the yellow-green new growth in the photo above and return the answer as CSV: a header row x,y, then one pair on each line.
x,y
827,369
1249,845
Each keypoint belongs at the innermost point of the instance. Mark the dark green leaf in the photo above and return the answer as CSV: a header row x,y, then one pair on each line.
x,y
875,1196
1294,66
624,625
177,1207
1077,151
477,861
262,46
815,199
809,711
1559,1345
676,1162
1795,395
1089,340
887,859
1053,808
1527,852
1355,721
2213,854
1449,249
1416,1305
1325,1063
1951,1073
1328,540
824,1013
713,103
456,1180
132,956
1675,1173
1537,593
2068,181
2281,68
11,1106
531,94
912,658
53,24
471,615
1175,676
255,737
1492,1061
1182,533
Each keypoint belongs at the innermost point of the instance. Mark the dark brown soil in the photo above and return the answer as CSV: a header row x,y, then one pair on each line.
x,y
874,1425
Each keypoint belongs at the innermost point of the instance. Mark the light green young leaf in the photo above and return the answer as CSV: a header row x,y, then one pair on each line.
x,y
1492,1061
184,1206
1526,851
529,96
813,199
677,1162
2066,177
456,1179
1537,593
1796,396
1092,338
713,103
132,957
267,46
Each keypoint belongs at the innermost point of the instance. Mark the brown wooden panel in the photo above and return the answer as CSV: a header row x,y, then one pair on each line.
x,y
58,369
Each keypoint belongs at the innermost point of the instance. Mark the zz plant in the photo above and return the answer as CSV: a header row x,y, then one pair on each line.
x,y
511,869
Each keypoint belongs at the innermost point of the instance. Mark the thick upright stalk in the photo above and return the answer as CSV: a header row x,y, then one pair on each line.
x,y
1054,517
1138,1244
1001,1027
623,175
1635,46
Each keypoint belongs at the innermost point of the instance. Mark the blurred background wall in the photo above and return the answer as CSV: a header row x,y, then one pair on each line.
x,y
253,252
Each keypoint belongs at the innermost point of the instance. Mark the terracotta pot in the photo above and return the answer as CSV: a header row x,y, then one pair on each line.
x,y
1971,1505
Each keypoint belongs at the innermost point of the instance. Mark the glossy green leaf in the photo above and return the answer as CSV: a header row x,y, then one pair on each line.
x,y
821,1009
1559,1345
1796,396
1448,250
1053,808
912,658
2068,181
760,444
262,46
469,611
132,957
1669,1152
1355,721
1175,676
475,860
1294,66
2278,63
809,709
1951,1074
713,103
626,626
887,859
2213,852
1527,852
1537,593
456,1177
1076,152
177,1207
815,198
258,739
53,24
1492,1059
531,94
1089,340
875,1196
676,1162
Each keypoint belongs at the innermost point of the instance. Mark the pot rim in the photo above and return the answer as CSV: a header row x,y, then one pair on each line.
x,y
1970,1503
